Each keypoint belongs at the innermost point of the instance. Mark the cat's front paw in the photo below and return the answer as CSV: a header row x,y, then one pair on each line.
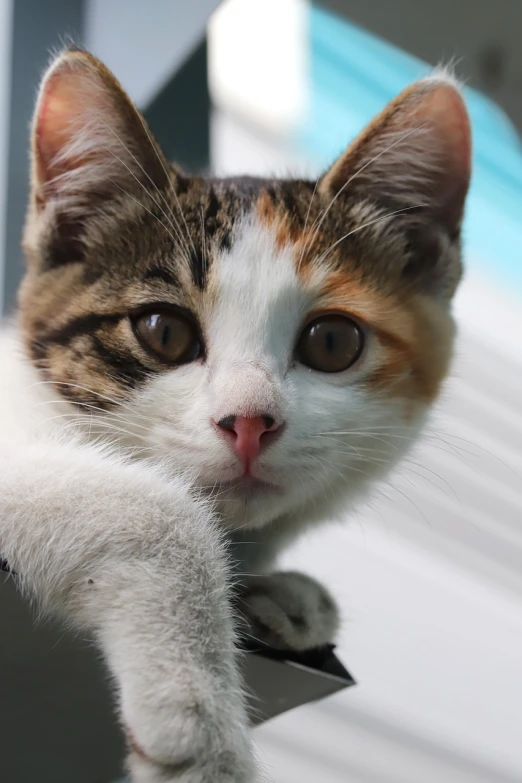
x,y
197,735
288,611
228,765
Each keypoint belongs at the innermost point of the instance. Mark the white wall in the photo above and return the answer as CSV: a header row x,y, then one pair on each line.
x,y
144,42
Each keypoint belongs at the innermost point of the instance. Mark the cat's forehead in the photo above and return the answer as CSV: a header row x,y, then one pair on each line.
x,y
238,253
211,212
255,296
253,242
198,223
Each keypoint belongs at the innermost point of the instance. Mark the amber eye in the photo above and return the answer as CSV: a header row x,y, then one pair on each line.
x,y
172,337
331,343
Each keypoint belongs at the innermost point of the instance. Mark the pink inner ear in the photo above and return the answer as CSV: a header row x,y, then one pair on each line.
x,y
444,110
51,130
71,99
89,141
416,152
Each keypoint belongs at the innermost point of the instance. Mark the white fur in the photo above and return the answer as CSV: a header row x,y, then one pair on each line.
x,y
127,545
252,327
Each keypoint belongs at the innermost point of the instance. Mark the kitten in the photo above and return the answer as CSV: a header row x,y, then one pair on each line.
x,y
198,363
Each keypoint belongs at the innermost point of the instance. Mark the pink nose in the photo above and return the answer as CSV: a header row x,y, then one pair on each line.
x,y
248,435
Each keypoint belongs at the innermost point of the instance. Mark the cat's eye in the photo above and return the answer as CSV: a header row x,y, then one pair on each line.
x,y
330,343
171,336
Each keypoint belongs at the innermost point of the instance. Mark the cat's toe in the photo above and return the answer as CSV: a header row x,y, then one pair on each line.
x,y
289,610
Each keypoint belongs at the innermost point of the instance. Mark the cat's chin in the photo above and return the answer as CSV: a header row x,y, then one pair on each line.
x,y
248,501
248,486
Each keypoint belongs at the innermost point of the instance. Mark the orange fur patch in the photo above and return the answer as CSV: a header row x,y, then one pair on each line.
x,y
415,335
286,231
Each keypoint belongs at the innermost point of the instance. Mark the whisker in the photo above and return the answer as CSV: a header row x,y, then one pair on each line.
x,y
129,152
317,477
101,396
179,240
415,506
305,246
204,243
169,180
363,168
381,440
91,407
366,225
405,468
137,201
103,426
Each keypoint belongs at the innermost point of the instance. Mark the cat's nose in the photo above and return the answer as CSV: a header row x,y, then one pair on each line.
x,y
248,436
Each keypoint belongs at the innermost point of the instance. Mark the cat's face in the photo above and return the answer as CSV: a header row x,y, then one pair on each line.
x,y
279,341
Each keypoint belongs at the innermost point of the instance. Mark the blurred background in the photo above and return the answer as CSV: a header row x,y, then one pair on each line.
x,y
429,574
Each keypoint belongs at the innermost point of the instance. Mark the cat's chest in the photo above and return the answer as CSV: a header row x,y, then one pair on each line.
x,y
245,554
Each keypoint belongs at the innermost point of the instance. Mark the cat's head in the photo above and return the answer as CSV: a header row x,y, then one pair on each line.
x,y
281,340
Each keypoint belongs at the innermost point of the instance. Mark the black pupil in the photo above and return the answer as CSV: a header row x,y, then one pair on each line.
x,y
165,337
330,340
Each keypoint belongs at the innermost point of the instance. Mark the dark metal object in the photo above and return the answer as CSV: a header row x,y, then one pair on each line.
x,y
278,682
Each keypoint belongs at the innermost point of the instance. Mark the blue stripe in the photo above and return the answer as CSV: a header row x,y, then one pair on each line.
x,y
354,74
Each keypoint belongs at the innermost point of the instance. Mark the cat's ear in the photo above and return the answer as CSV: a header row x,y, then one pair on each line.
x,y
416,153
88,140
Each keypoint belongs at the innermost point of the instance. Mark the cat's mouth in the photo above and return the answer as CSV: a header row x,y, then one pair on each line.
x,y
248,484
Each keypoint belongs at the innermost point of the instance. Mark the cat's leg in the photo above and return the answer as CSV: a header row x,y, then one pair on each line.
x,y
118,549
288,610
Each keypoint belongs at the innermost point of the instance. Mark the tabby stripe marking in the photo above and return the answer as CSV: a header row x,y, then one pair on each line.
x,y
83,324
